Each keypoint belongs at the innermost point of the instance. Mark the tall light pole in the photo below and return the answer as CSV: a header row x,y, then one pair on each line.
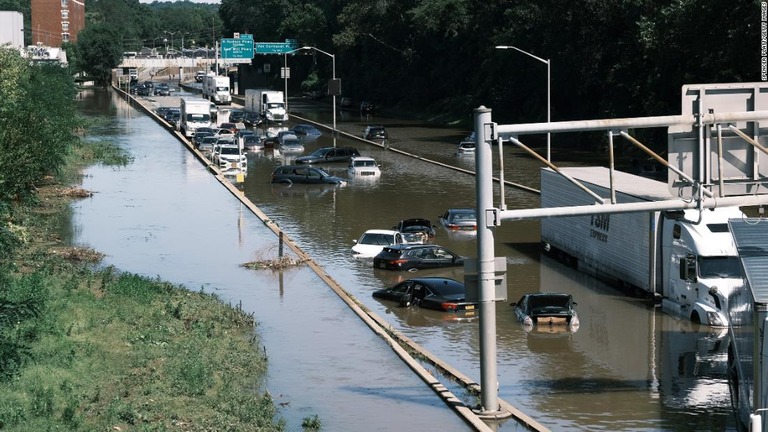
x,y
171,33
182,42
335,91
549,81
286,73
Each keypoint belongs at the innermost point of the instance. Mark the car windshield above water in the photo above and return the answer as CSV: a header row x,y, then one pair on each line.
x,y
229,150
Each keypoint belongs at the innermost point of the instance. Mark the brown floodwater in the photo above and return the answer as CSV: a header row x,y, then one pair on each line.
x,y
628,367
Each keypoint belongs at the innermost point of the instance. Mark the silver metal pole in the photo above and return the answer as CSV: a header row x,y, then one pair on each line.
x,y
549,112
333,57
486,266
285,77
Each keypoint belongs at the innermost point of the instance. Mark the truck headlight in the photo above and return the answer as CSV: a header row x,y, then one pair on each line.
x,y
714,319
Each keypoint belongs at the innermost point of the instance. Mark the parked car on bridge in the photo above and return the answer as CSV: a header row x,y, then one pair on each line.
x,y
290,174
415,257
373,241
547,309
438,293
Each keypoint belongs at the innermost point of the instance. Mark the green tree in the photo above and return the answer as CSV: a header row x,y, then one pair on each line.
x,y
37,122
98,51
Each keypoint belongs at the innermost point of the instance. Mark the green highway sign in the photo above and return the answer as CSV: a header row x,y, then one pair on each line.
x,y
275,47
240,48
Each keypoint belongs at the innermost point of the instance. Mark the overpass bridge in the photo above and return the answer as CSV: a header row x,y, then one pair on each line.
x,y
183,68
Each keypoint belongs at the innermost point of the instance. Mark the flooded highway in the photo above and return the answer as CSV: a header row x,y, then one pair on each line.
x,y
628,367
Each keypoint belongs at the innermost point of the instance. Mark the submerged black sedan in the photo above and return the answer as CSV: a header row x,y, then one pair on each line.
x,y
550,310
415,257
438,293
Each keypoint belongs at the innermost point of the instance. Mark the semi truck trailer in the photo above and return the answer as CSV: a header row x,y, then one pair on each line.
x,y
685,259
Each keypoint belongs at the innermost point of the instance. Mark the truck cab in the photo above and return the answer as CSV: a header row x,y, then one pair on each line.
x,y
703,265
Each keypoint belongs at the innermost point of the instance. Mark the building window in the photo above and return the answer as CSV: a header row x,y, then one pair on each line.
x,y
65,15
65,26
64,4
65,37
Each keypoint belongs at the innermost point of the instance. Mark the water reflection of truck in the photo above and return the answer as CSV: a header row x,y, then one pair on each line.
x,y
661,372
216,89
269,104
687,259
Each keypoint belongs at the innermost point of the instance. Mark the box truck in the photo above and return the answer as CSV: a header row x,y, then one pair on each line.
x,y
216,89
687,259
269,104
195,113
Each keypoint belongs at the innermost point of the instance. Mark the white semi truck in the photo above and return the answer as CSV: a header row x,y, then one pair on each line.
x,y
216,89
269,104
686,259
195,113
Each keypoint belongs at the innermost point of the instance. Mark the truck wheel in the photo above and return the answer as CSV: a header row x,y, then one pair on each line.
x,y
695,318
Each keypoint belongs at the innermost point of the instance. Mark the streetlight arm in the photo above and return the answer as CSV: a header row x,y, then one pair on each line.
x,y
524,52
317,49
549,85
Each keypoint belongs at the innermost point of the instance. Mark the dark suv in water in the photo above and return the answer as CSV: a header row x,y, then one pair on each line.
x,y
375,132
304,174
329,154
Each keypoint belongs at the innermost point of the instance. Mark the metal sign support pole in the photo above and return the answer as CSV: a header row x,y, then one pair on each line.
x,y
486,264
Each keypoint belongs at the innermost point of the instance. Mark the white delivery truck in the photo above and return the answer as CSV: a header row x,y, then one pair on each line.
x,y
269,104
195,113
687,258
216,89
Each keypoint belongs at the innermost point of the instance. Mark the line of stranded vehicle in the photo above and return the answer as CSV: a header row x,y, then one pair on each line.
x,y
406,247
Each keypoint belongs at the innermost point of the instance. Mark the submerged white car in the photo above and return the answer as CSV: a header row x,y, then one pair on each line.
x,y
363,166
373,241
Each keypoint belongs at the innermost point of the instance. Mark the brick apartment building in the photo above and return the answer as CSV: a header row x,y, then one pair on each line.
x,y
56,21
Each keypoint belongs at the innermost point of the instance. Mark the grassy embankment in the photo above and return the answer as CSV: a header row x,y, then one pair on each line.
x,y
83,348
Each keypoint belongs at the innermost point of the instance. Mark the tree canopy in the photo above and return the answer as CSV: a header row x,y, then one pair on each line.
x,y
97,52
608,58
37,122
